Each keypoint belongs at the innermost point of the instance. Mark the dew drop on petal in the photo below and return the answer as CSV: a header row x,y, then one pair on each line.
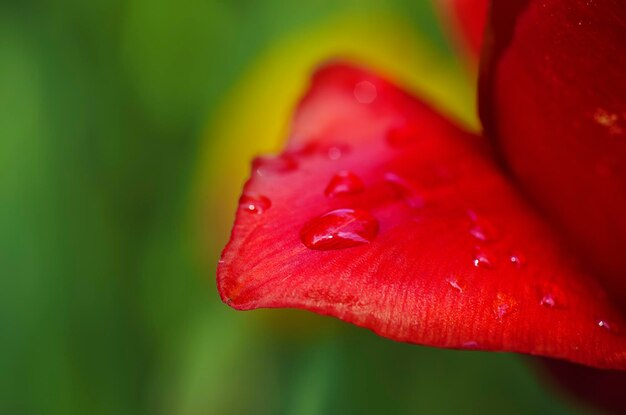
x,y
334,153
265,166
470,344
517,259
404,190
483,258
254,203
608,326
344,183
504,305
480,228
339,229
482,232
365,92
548,301
456,284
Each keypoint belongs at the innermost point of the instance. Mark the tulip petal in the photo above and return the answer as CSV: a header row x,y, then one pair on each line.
x,y
382,213
604,389
553,100
467,18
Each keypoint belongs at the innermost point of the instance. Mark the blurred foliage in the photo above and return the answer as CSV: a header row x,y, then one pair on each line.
x,y
107,296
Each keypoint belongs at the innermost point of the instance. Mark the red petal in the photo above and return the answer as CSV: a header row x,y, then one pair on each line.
x,y
468,18
434,248
553,98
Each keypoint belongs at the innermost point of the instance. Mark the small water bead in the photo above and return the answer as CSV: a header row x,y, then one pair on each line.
x,y
484,258
334,152
504,305
548,301
254,203
456,284
344,183
517,259
405,190
482,232
608,326
480,228
265,166
470,344
365,92
339,229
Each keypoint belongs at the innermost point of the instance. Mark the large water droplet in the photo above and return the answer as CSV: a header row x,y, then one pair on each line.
x,y
405,190
265,166
344,182
484,258
339,229
504,305
365,92
253,203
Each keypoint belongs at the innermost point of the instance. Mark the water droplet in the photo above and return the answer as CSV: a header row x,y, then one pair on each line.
x,y
552,296
504,305
480,228
548,301
254,203
365,92
482,232
403,134
334,153
265,166
339,229
405,190
456,284
484,258
343,183
517,259
608,326
470,344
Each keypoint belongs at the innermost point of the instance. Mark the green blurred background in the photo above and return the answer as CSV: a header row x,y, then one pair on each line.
x,y
125,130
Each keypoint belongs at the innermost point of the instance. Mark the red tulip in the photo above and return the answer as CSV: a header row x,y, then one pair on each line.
x,y
384,214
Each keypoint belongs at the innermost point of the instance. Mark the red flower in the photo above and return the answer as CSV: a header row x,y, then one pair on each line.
x,y
384,214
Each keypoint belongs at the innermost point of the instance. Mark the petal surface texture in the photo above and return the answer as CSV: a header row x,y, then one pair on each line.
x,y
553,99
382,213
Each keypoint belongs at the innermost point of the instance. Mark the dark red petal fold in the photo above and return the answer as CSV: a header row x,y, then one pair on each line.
x,y
384,214
602,388
553,100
